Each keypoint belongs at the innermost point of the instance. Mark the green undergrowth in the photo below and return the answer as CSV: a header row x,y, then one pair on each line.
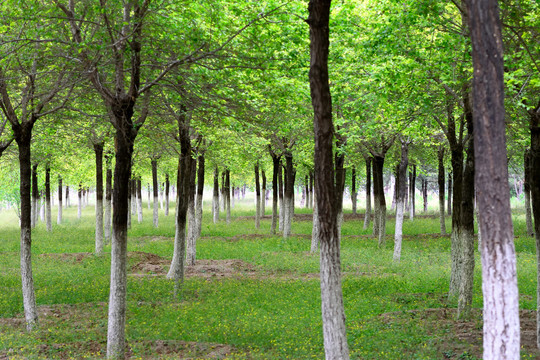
x,y
270,311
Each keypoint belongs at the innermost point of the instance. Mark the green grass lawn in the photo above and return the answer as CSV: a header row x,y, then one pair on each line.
x,y
267,308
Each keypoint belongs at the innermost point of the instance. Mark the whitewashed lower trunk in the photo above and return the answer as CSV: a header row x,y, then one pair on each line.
x,y
382,226
198,216
442,217
215,209
333,314
191,243
258,212
107,221
467,275
79,207
287,217
281,212
42,210
139,210
176,271
156,212
99,227
339,223
398,234
528,214
48,215
315,240
29,297
148,203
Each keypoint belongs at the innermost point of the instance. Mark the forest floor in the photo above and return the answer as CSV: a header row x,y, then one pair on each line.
x,y
250,295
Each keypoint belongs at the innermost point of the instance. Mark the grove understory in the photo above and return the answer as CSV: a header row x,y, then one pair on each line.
x,y
250,294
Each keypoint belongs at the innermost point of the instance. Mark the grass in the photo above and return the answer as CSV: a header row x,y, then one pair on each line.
x,y
393,311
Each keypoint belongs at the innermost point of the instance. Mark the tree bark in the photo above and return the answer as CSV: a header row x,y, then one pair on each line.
x,y
108,197
79,201
280,194
440,181
98,150
155,193
191,245
139,200
60,204
311,196
200,191
333,314
288,194
167,189
450,188
215,200
401,184
354,194
527,191
455,250
412,193
501,296
340,185
228,194
48,215
425,193
380,202
35,196
257,198
367,216
68,203
315,234
263,191
276,163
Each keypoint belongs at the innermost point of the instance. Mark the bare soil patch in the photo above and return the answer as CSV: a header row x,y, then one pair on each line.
x,y
67,257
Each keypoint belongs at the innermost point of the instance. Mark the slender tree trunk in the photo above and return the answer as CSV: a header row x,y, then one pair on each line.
x,y
148,193
333,314
167,186
263,193
133,189
306,189
275,169
280,194
367,216
315,234
215,201
412,206
455,251
527,191
450,188
340,186
425,193
228,194
41,203
311,196
139,201
98,150
501,296
223,197
380,202
79,201
191,246
200,190
68,203
288,195
354,194
59,218
401,185
440,181
108,197
155,189
130,201
48,215
35,196
257,198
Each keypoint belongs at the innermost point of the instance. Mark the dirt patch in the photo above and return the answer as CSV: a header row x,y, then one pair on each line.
x,y
457,339
182,350
147,263
221,268
68,257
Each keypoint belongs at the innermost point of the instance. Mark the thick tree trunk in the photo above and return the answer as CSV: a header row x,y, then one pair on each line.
x,y
200,191
440,182
191,244
108,198
215,199
98,150
59,218
48,215
257,198
263,191
155,189
501,296
527,191
79,201
228,194
35,196
167,186
288,195
333,314
380,202
275,169
401,184
354,194
280,194
367,216
139,201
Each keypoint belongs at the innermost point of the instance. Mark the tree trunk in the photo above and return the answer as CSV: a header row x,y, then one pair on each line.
x,y
228,194
191,244
501,296
450,188
130,202
534,118
200,191
440,181
367,216
288,195
380,202
167,186
425,193
155,192
306,189
412,193
455,250
333,314
263,191
257,198
340,186
527,191
315,235
354,194
148,194
98,150
79,201
59,218
280,194
275,169
311,193
35,196
139,201
401,185
48,216
68,204
223,197
108,197
215,200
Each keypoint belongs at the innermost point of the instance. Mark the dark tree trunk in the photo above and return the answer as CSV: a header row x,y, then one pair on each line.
x,y
108,197
311,197
48,216
139,200
191,243
167,189
257,198
215,200
59,218
79,201
354,194
425,193
440,182
501,296
35,196
333,314
396,188
98,150
155,193
200,191
340,187
223,197
263,197
401,185
367,216
280,194
450,189
527,191
412,193
380,202
276,163
288,194
534,118
306,189
457,181
228,194
67,197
